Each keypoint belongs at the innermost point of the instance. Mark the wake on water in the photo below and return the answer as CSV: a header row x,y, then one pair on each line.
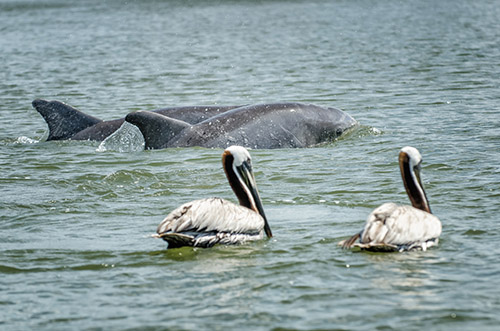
x,y
128,138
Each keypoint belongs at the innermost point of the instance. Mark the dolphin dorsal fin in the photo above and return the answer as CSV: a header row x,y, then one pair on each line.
x,y
63,120
157,129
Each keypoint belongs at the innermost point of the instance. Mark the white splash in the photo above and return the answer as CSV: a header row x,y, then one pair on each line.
x,y
26,140
128,138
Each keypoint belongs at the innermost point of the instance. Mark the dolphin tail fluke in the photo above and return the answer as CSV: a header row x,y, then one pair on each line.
x,y
63,120
157,129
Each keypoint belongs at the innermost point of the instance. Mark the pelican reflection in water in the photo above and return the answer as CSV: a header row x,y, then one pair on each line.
x,y
392,227
206,222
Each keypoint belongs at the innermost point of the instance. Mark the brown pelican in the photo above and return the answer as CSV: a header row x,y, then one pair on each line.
x,y
391,227
206,222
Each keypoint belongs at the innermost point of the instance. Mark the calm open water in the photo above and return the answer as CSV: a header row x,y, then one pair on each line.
x,y
75,220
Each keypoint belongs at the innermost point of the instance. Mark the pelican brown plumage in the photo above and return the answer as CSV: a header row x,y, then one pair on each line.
x,y
206,222
392,227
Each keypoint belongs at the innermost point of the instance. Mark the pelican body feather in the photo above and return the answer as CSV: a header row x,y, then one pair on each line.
x,y
393,227
206,222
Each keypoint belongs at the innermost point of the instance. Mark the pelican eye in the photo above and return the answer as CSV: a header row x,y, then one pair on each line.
x,y
248,164
418,166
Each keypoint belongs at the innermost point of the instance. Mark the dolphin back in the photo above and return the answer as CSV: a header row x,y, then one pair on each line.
x,y
156,129
268,126
63,120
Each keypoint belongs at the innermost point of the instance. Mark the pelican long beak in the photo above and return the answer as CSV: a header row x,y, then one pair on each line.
x,y
413,183
246,173
416,171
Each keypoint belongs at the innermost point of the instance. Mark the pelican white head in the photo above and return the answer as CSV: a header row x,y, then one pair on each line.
x,y
413,155
240,155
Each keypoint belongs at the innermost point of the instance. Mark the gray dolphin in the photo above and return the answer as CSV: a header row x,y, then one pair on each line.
x,y
264,126
67,122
